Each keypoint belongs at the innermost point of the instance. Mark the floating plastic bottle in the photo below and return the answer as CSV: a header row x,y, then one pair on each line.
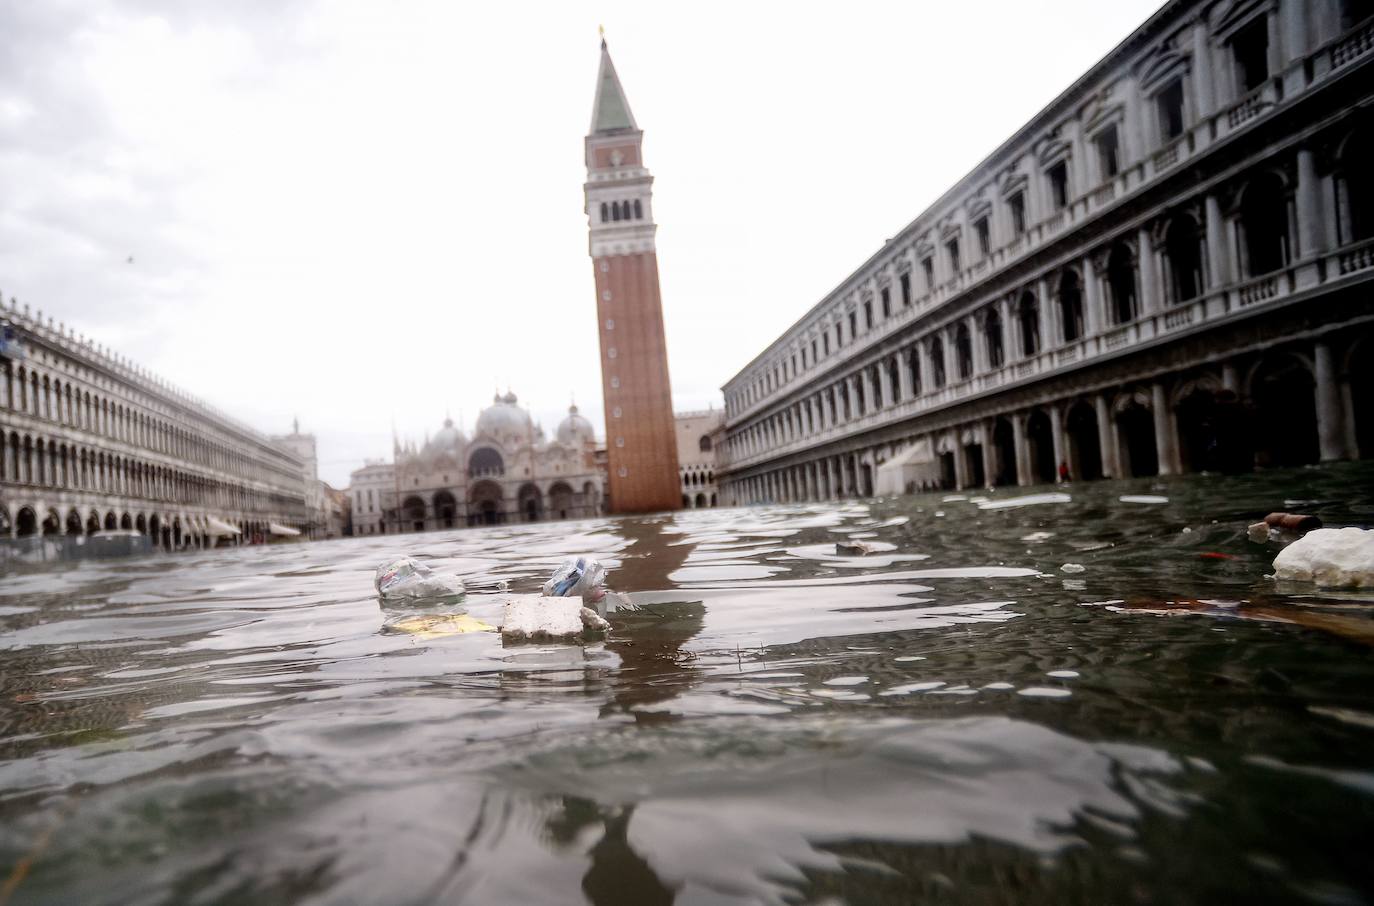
x,y
408,578
578,577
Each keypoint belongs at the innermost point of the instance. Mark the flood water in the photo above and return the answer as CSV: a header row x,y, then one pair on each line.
x,y
1077,699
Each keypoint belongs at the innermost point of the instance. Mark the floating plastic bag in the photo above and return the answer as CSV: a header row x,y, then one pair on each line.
x,y
409,578
578,577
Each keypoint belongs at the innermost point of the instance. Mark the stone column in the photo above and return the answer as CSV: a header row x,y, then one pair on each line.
x,y
1229,380
1057,436
1166,444
832,480
1218,252
960,463
1294,14
884,384
870,392
1106,438
850,394
1051,333
1149,285
1011,351
1311,239
978,342
904,375
989,454
1201,70
1092,299
951,365
1018,428
1330,433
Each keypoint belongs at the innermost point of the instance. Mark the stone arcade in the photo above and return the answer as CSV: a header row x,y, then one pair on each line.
x,y
1167,270
92,443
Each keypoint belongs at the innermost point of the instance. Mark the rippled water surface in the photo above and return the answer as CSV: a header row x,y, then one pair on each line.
x,y
1067,698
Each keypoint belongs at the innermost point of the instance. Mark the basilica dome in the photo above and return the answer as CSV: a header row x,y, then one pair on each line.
x,y
575,430
504,419
449,439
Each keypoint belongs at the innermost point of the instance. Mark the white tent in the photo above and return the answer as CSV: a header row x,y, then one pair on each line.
x,y
908,470
216,528
282,530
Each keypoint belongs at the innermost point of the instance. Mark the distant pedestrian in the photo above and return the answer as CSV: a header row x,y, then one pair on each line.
x,y
1063,472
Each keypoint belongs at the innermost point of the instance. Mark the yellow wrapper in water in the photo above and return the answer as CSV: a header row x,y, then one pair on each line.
x,y
439,625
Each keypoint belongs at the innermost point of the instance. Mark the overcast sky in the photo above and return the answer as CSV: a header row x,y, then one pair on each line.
x,y
367,213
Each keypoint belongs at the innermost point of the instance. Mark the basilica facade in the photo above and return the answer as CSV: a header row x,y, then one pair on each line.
x,y
507,471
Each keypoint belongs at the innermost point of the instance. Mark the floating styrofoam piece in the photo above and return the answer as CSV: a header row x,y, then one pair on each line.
x,y
539,618
1335,558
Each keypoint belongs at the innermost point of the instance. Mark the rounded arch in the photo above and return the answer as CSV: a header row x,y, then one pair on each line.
x,y
1121,283
530,502
74,526
1138,455
704,444
485,503
963,351
1262,213
1085,448
1070,295
562,502
52,523
937,361
1028,317
445,508
1355,182
413,513
140,523
25,522
1182,243
92,523
1040,440
111,521
1282,395
485,462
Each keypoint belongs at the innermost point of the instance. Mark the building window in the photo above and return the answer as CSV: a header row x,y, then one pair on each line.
x,y
825,342
622,472
853,325
615,382
963,352
1264,225
992,332
1250,50
605,214
813,353
1169,108
610,323
1108,152
1017,205
885,295
704,445
868,314
639,211
1059,185
928,267
984,234
1070,306
610,353
952,247
615,211
1121,283
620,441
937,362
1183,259
1028,312
905,281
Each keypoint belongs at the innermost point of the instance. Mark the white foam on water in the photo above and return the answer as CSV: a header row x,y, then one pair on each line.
x,y
1027,500
1063,674
1044,692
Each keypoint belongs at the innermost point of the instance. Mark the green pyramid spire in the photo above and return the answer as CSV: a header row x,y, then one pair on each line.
x,y
610,112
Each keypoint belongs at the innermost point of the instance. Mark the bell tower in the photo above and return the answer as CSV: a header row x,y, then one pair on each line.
x,y
640,441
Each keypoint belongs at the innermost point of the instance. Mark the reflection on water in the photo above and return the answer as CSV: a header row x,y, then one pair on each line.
x,y
957,716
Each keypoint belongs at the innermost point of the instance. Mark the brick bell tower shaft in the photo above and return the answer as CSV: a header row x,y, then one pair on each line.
x,y
640,441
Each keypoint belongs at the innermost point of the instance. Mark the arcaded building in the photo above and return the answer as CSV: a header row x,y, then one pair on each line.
x,y
508,471
1168,269
699,434
640,443
92,442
